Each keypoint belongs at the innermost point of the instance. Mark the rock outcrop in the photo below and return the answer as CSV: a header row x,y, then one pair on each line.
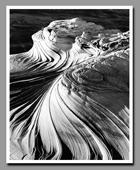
x,y
69,94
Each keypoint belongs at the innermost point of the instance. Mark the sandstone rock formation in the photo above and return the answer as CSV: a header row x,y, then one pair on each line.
x,y
69,94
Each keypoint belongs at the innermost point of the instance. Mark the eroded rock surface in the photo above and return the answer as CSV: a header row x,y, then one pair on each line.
x,y
70,94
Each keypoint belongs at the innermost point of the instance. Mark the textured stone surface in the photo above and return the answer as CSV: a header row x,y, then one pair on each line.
x,y
24,23
70,94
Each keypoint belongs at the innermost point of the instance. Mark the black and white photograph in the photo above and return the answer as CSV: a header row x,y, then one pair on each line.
x,y
69,84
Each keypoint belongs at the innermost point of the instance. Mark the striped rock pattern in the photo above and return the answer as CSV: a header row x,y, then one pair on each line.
x,y
69,94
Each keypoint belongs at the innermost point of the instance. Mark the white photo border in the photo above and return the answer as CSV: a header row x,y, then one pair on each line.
x,y
131,60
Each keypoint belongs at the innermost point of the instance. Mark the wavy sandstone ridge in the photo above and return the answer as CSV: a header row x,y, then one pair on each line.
x,y
70,94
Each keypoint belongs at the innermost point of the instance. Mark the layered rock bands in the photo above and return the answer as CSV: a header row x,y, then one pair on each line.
x,y
69,94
